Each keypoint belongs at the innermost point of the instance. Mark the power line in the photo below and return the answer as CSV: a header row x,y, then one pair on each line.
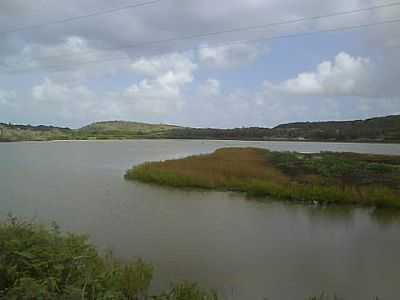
x,y
233,30
288,36
61,67
75,18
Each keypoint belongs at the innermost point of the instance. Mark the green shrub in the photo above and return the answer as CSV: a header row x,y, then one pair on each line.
x,y
41,263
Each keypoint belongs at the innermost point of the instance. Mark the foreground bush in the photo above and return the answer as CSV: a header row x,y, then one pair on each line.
x,y
41,263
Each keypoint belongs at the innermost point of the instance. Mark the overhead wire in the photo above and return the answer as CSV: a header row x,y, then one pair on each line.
x,y
79,17
221,32
61,67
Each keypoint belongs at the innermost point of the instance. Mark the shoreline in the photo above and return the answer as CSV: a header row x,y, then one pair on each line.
x,y
208,139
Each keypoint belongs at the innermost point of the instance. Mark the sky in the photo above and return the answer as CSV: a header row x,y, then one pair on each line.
x,y
137,63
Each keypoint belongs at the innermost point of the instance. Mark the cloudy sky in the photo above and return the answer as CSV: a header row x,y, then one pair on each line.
x,y
139,64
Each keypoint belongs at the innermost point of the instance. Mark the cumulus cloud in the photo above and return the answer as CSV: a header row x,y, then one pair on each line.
x,y
65,102
161,90
139,25
176,63
159,94
344,76
73,54
35,55
228,56
51,92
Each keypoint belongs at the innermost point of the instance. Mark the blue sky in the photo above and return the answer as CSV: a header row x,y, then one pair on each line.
x,y
205,82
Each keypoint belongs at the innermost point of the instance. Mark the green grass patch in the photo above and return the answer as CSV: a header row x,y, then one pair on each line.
x,y
346,178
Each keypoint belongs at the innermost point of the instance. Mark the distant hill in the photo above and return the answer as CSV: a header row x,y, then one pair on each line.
x,y
32,127
124,130
12,132
250,133
124,126
381,129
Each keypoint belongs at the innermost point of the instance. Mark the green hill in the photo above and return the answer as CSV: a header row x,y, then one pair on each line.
x,y
381,129
378,129
124,129
126,126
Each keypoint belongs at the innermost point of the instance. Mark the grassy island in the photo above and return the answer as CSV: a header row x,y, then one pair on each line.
x,y
327,177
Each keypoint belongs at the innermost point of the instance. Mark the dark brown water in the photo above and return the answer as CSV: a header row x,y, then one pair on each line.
x,y
245,249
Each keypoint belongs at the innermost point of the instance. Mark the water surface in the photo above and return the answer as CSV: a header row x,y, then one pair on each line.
x,y
243,248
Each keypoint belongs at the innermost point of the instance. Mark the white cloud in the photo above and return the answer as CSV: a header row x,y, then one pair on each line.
x,y
345,76
165,75
74,55
64,102
6,97
52,92
71,50
228,56
157,65
211,87
161,91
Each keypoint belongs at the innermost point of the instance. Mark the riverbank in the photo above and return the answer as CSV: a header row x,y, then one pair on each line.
x,y
326,178
136,138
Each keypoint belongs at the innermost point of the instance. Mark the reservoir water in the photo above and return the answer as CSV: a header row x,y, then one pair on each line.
x,y
243,248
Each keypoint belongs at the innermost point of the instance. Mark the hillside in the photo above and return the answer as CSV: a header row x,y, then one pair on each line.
x,y
381,129
11,133
250,133
125,129
126,126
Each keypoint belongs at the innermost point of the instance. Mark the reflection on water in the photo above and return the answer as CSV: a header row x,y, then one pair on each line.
x,y
386,217
245,249
339,214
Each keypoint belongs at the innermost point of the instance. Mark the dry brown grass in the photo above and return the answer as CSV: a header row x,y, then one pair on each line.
x,y
223,166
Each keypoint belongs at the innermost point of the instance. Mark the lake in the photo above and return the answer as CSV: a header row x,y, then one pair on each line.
x,y
246,249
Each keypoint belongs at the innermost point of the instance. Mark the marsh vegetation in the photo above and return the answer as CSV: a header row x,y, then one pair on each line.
x,y
346,178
